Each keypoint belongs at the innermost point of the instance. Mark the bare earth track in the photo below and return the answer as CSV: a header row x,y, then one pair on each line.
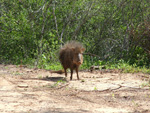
x,y
24,90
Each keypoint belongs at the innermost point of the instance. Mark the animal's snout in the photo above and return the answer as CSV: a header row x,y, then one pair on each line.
x,y
79,58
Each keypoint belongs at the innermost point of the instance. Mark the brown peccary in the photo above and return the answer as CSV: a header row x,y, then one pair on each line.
x,y
70,56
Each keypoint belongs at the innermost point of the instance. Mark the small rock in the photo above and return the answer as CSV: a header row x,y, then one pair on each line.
x,y
23,85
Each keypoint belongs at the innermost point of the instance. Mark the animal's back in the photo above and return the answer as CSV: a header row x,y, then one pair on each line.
x,y
66,57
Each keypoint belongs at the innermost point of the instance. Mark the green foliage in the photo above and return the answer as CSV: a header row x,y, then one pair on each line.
x,y
126,67
31,32
95,88
139,57
58,83
147,84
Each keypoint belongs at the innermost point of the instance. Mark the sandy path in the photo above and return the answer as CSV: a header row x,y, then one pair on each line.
x,y
24,90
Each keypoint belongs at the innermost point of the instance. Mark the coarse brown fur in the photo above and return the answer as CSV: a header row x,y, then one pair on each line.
x,y
70,56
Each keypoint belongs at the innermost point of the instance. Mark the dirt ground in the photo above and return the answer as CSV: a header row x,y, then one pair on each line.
x,y
24,90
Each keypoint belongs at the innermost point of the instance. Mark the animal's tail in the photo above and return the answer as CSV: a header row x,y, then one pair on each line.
x,y
58,72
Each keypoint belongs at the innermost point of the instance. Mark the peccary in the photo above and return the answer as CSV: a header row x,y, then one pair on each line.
x,y
70,56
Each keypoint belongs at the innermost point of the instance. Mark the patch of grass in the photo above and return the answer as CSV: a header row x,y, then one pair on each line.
x,y
126,67
116,64
59,82
6,67
55,67
135,104
95,88
55,85
82,80
40,76
17,73
147,84
113,95
51,66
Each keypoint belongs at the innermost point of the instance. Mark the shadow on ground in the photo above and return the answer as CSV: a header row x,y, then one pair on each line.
x,y
54,79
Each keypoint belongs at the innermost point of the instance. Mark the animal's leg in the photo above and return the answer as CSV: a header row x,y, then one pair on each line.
x,y
77,73
65,72
71,74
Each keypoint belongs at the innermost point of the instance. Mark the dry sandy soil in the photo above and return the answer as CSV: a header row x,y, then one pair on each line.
x,y
24,90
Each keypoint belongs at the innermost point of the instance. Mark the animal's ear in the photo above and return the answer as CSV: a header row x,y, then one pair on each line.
x,y
83,49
